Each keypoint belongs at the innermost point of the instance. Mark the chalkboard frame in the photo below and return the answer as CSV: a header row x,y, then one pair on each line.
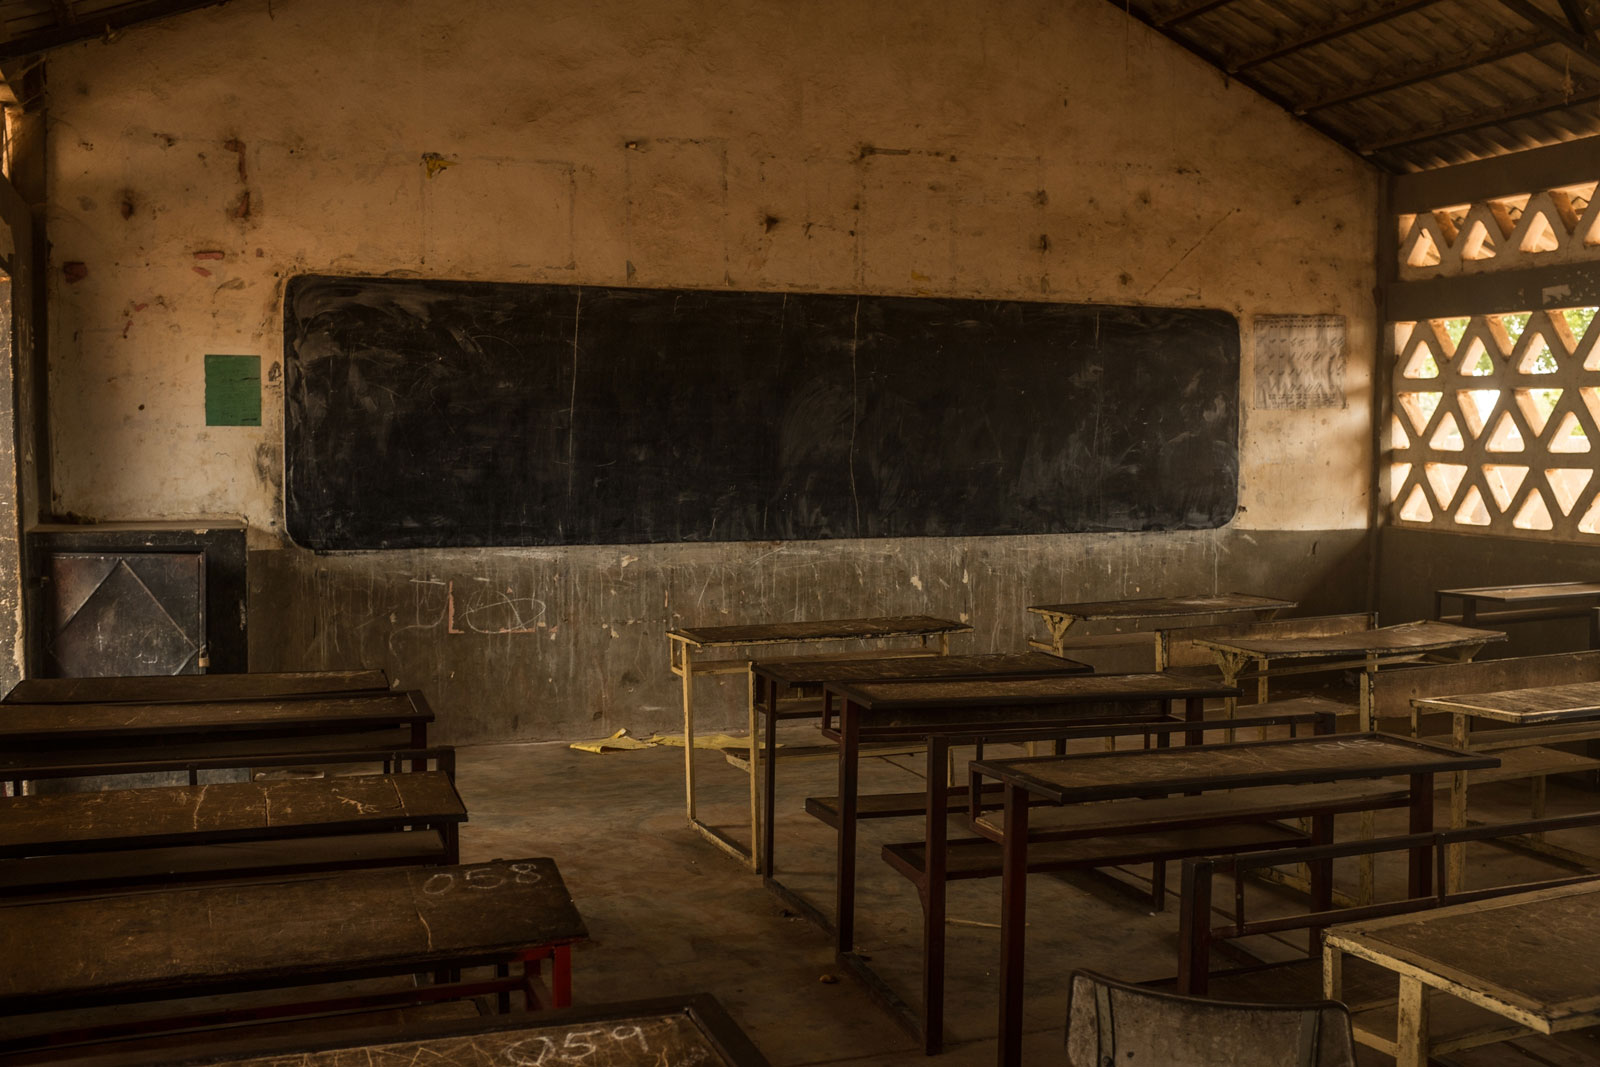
x,y
433,413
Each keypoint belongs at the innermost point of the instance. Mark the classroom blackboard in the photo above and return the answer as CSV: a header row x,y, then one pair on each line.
x,y
425,413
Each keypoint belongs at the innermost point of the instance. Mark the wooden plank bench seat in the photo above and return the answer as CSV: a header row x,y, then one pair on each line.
x,y
289,935
678,1030
1312,711
75,874
104,837
889,805
193,688
326,754
1048,822
979,857
1532,762
78,740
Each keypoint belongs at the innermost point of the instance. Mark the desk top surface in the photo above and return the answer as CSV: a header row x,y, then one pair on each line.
x,y
774,633
647,1033
102,721
1132,772
47,822
1529,956
168,941
1055,689
192,688
1550,703
1406,638
814,671
1165,606
1513,594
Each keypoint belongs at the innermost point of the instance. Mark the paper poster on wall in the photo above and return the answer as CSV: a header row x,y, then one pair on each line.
x,y
1299,361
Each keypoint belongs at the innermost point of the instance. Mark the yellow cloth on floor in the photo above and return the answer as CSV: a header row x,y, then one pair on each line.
x,y
617,742
704,741
622,742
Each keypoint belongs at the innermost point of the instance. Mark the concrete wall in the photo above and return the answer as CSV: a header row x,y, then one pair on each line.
x,y
1030,149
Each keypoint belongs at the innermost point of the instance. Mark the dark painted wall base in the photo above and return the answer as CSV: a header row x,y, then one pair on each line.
x,y
1413,563
562,644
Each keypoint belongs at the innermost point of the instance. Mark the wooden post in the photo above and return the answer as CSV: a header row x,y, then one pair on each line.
x,y
1411,1030
755,770
1013,923
1456,861
687,667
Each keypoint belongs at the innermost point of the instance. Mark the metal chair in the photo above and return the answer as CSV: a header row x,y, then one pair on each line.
x,y
1114,1023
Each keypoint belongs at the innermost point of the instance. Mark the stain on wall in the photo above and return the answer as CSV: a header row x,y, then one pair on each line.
x,y
1029,149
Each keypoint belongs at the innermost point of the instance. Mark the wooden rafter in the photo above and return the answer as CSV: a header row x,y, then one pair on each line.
x,y
69,29
1415,75
1579,18
1581,46
1475,120
1265,91
1188,11
1350,23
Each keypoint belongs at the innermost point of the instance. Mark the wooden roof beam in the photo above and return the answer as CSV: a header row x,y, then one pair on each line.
x,y
1579,18
1475,120
1328,31
1191,10
1451,65
1581,46
101,22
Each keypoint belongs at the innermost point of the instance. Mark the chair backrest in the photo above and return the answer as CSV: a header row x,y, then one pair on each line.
x,y
1111,1024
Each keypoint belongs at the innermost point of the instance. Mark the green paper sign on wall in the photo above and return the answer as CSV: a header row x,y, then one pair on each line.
x,y
233,390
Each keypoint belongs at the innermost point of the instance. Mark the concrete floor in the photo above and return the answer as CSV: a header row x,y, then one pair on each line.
x,y
669,913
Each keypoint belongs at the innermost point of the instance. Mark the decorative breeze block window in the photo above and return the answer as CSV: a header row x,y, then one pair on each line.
x,y
1497,423
1554,226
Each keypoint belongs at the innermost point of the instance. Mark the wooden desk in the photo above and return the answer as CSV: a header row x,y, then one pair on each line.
x,y
1061,617
79,841
191,688
217,940
642,1033
934,713
85,738
1367,649
1524,603
1121,775
1542,716
773,676
1527,958
684,646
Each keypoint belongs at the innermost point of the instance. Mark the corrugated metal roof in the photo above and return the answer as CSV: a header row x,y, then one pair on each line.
x,y
1409,84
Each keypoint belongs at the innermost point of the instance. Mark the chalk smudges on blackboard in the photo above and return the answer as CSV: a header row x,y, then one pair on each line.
x,y
438,413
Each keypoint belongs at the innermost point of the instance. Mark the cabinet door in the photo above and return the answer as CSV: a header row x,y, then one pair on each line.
x,y
125,613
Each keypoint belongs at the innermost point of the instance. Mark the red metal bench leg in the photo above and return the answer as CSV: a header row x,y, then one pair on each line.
x,y
561,973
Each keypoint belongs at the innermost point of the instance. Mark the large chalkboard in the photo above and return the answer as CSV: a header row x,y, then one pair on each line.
x,y
442,413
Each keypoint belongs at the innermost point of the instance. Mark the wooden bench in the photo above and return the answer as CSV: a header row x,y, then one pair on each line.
x,y
194,688
82,739
643,1033
1315,712
772,680
1138,612
1533,602
1199,933
71,843
232,941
